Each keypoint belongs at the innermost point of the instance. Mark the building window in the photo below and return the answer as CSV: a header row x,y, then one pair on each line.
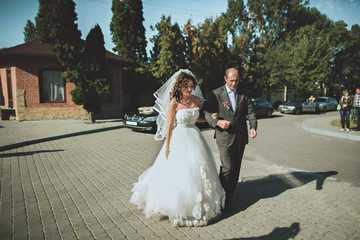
x,y
53,87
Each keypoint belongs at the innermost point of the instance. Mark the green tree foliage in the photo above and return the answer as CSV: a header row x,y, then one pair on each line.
x,y
56,26
270,18
273,43
207,47
346,67
84,61
279,67
168,54
311,59
30,32
127,29
91,77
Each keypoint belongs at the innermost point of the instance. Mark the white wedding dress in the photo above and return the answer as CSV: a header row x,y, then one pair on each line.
x,y
185,187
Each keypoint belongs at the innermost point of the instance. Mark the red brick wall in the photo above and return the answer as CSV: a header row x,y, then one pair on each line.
x,y
27,77
4,87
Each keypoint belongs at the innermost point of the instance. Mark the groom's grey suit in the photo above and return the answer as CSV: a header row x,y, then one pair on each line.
x,y
231,142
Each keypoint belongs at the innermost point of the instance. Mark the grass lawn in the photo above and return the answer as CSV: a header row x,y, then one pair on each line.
x,y
337,123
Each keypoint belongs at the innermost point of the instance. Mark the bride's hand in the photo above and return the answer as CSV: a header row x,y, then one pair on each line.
x,y
215,115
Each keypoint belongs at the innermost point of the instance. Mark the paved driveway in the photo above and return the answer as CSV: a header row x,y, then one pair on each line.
x,y
78,187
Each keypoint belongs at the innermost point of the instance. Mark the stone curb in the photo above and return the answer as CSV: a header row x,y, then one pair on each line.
x,y
306,127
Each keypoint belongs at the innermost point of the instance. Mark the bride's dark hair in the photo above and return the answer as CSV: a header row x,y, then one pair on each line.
x,y
182,80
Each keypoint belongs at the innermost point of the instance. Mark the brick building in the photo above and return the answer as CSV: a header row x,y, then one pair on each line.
x,y
31,83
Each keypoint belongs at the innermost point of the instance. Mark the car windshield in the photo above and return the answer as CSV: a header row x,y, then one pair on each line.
x,y
320,100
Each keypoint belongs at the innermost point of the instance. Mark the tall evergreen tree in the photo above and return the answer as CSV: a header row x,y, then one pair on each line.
x,y
56,26
168,54
30,32
93,82
127,29
85,62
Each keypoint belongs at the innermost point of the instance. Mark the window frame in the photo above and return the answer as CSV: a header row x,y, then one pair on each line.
x,y
42,90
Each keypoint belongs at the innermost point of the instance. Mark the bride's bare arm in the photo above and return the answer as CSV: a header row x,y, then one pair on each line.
x,y
197,102
170,125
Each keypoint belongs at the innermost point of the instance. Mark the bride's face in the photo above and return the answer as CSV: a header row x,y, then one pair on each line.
x,y
187,89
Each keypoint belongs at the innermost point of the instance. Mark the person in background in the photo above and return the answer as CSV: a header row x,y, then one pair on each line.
x,y
357,108
311,99
345,103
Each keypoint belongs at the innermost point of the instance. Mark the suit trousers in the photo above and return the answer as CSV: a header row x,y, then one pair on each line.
x,y
231,158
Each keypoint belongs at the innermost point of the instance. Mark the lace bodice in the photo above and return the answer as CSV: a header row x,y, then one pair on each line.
x,y
187,117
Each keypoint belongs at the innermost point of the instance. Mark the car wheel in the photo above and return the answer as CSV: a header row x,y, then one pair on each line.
x,y
324,109
297,111
269,113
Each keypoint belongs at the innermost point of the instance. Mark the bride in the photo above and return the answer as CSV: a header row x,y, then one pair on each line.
x,y
183,182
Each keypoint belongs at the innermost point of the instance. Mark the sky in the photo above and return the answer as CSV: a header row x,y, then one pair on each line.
x,y
15,13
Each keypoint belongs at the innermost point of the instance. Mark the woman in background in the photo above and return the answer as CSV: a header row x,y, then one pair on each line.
x,y
345,103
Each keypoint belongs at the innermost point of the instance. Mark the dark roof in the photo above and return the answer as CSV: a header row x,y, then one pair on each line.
x,y
38,49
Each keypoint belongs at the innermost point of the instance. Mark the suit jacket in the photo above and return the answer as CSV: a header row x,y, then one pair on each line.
x,y
219,102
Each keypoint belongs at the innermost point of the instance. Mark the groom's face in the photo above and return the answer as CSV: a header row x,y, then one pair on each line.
x,y
232,79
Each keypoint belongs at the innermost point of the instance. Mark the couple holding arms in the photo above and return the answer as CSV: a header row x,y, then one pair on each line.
x,y
183,184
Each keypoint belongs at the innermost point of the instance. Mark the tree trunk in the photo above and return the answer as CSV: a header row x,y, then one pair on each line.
x,y
285,93
91,117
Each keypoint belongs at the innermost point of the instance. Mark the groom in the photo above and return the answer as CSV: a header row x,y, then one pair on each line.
x,y
230,129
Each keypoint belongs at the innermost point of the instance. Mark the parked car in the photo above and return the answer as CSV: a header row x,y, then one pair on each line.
x,y
262,107
142,121
298,105
326,103
145,120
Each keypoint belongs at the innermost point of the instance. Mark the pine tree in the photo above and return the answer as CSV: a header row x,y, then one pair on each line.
x,y
127,29
85,62
30,32
93,81
56,26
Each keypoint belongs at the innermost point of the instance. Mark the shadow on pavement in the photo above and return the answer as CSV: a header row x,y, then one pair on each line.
x,y
249,192
19,154
278,233
272,116
35,141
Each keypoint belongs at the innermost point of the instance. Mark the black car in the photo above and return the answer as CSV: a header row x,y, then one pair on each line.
x,y
142,121
146,121
262,107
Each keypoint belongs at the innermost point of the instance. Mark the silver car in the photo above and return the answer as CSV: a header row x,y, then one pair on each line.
x,y
326,103
297,106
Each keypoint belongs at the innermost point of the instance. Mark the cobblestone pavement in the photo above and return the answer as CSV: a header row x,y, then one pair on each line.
x,y
78,187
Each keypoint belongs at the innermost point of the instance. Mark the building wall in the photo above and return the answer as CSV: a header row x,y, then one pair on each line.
x,y
4,87
25,79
